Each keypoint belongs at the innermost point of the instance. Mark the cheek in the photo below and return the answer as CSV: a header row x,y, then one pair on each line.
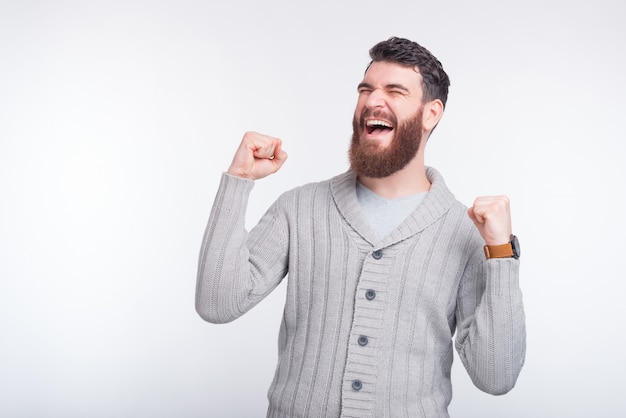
x,y
358,109
401,113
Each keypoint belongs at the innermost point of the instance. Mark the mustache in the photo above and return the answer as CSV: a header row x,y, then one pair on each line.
x,y
376,113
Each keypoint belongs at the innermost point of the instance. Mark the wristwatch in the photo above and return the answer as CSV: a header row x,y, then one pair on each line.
x,y
510,249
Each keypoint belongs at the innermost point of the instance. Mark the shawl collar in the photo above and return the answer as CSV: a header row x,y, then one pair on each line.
x,y
435,205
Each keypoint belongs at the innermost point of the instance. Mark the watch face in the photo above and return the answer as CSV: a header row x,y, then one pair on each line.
x,y
515,246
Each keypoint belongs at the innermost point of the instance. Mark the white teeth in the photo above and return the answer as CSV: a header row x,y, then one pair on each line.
x,y
378,123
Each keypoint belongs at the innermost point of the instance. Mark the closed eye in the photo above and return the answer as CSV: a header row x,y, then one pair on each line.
x,y
364,88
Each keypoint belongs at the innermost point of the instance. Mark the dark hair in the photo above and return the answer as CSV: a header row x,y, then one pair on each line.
x,y
435,81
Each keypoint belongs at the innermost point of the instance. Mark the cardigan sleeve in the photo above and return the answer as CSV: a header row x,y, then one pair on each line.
x,y
237,269
491,331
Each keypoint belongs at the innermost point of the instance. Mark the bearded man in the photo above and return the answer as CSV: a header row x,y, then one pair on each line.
x,y
385,265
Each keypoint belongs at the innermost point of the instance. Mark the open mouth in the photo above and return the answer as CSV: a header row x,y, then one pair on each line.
x,y
377,126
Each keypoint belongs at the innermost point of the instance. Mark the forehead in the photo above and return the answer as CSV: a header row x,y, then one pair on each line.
x,y
382,73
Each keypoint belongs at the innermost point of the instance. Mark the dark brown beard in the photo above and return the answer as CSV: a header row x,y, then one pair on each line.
x,y
367,159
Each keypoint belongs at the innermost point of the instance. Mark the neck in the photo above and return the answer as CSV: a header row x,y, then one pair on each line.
x,y
410,180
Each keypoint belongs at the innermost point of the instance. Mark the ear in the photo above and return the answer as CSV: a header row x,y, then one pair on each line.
x,y
432,113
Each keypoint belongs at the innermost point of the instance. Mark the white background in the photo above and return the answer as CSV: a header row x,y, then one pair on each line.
x,y
117,119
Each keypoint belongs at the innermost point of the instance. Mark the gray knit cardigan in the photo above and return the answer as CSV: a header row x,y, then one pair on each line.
x,y
368,323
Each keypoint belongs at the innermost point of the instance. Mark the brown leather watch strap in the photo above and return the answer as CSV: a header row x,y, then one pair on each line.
x,y
499,251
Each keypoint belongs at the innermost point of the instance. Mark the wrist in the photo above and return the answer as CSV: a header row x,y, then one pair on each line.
x,y
240,174
510,249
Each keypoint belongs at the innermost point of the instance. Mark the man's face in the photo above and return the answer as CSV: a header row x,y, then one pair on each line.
x,y
387,124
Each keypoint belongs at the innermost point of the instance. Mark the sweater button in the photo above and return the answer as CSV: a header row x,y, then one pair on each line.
x,y
357,385
363,340
378,254
370,294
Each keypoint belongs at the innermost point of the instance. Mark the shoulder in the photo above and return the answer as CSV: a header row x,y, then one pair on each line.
x,y
456,211
319,190
439,191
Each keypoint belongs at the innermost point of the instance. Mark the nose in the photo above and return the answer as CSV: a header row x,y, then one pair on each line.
x,y
375,99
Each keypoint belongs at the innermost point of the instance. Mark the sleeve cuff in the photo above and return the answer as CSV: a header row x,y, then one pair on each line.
x,y
233,192
503,275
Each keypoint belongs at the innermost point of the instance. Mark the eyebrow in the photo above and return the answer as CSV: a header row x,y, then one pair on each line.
x,y
397,86
387,87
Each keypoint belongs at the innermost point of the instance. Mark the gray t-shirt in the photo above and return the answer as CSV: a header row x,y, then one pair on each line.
x,y
385,215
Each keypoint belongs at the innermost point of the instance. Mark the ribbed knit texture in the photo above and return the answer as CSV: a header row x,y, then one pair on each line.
x,y
429,277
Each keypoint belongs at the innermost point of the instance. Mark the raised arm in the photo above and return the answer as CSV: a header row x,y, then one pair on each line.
x,y
491,331
236,269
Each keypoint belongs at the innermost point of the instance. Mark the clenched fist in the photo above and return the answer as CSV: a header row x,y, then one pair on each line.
x,y
492,217
258,156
